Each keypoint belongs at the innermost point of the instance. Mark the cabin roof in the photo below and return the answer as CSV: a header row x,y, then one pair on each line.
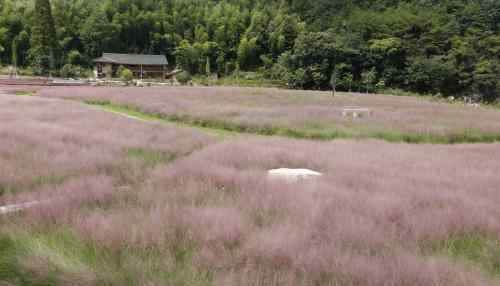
x,y
132,59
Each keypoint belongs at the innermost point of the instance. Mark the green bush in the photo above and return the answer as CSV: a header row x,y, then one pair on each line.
x,y
380,86
69,70
75,58
184,77
120,70
126,74
41,65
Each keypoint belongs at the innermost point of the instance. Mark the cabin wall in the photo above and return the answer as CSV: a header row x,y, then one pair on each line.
x,y
139,71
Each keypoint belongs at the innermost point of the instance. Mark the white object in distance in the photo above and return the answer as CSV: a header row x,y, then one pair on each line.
x,y
293,175
16,208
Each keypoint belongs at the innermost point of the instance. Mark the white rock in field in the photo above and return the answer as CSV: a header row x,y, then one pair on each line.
x,y
293,175
17,208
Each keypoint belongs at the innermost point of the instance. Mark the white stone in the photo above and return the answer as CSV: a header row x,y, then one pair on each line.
x,y
293,175
16,208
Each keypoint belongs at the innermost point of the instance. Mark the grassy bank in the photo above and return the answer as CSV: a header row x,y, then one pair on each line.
x,y
224,128
58,256
476,250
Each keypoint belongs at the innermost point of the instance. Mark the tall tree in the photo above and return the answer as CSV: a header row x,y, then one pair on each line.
x,y
448,47
44,40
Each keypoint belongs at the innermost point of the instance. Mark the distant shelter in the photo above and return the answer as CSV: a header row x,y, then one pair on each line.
x,y
142,66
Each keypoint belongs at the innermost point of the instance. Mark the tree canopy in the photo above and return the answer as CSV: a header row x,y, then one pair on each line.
x,y
450,47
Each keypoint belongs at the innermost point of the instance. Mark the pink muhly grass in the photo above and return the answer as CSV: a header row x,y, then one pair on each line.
x,y
60,204
369,210
302,110
364,222
39,144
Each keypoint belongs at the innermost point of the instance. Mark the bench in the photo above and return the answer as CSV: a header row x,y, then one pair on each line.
x,y
356,112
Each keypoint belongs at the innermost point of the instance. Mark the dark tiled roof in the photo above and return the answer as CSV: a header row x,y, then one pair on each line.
x,y
131,59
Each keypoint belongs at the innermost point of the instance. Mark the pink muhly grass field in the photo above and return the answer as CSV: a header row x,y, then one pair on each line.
x,y
20,89
298,110
47,141
212,217
365,222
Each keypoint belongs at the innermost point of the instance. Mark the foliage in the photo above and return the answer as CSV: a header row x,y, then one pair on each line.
x,y
243,79
481,250
347,81
43,39
440,47
126,74
75,58
368,78
71,71
184,77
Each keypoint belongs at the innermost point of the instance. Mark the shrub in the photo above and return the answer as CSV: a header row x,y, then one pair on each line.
x,y
120,70
125,74
297,79
41,65
380,85
69,70
184,77
75,58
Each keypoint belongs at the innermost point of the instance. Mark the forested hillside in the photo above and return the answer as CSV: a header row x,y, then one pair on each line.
x,y
451,47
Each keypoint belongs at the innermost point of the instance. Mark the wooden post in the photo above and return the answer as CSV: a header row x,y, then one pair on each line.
x,y
333,82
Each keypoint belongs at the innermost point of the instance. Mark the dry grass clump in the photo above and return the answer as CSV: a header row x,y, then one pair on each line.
x,y
301,113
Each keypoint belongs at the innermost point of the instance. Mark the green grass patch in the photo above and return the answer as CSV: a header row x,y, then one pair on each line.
x,y
48,180
247,79
12,269
7,188
28,71
224,127
58,255
151,158
31,184
479,250
133,112
24,93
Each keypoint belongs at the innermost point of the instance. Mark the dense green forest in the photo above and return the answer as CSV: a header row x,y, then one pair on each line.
x,y
448,47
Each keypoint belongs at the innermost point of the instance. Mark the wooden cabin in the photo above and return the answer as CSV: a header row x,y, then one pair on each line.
x,y
142,66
